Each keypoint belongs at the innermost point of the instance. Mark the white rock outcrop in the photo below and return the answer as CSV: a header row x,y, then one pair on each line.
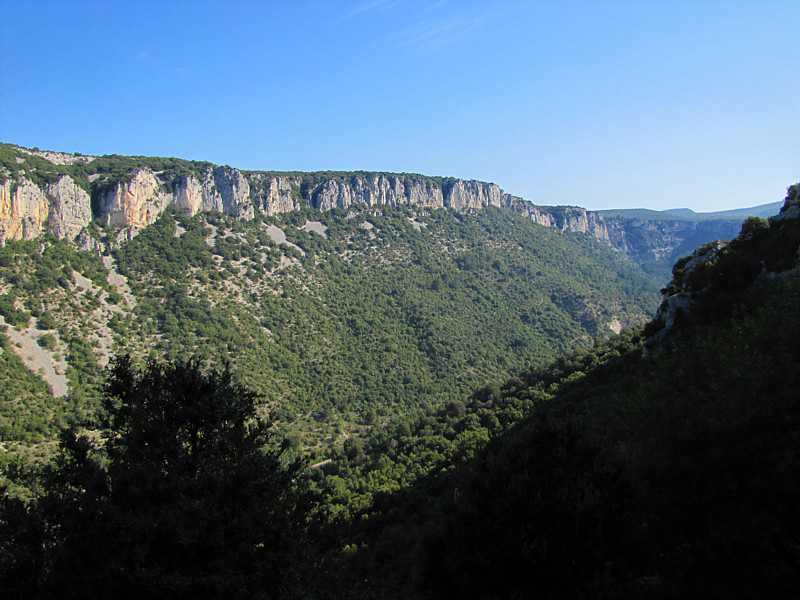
x,y
136,203
272,194
70,208
26,210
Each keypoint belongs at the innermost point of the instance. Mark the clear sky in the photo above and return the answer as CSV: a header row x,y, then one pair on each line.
x,y
600,104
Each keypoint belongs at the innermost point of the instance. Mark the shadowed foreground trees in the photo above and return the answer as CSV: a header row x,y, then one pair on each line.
x,y
188,496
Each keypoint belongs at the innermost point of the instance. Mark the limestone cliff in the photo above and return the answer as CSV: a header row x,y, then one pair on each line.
x,y
272,194
134,199
27,210
70,208
135,203
131,192
791,205
651,241
374,189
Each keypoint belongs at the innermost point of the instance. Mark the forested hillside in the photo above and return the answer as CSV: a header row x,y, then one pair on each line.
x,y
340,319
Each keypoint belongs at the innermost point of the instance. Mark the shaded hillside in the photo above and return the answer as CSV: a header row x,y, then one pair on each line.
x,y
661,464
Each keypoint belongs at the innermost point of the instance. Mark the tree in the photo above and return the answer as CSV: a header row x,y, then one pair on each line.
x,y
187,497
753,227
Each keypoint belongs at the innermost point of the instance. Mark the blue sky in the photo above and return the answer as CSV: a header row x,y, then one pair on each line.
x,y
597,104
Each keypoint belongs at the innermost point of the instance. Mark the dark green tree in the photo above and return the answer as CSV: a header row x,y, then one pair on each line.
x,y
189,495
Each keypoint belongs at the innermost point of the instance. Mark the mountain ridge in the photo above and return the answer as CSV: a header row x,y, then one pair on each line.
x,y
63,193
736,214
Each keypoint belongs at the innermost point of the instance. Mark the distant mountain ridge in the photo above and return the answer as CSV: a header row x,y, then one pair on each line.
x,y
736,214
63,193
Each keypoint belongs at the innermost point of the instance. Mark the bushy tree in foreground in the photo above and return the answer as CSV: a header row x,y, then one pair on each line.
x,y
187,497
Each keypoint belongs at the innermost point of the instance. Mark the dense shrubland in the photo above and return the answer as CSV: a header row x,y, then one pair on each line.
x,y
342,332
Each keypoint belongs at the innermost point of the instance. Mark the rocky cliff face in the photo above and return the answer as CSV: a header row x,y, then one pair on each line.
x,y
138,202
572,218
791,205
27,211
137,199
645,240
70,208
135,202
375,189
272,194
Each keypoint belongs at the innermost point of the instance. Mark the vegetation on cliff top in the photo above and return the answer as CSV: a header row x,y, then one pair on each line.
x,y
97,174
